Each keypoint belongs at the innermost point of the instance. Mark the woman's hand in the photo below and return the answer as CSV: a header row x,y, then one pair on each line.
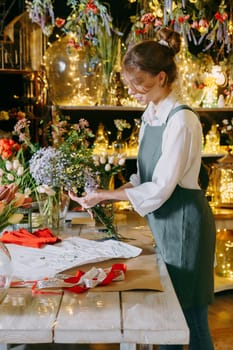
x,y
89,200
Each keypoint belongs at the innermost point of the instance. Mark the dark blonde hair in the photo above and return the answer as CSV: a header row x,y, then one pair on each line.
x,y
155,56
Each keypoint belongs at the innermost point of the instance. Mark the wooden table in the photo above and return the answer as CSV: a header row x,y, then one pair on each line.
x,y
128,318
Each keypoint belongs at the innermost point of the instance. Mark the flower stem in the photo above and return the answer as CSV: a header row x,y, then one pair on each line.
x,y
107,221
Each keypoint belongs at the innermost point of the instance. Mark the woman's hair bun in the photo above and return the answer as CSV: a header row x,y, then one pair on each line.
x,y
172,38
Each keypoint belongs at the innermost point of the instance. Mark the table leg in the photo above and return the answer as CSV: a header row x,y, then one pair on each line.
x,y
4,346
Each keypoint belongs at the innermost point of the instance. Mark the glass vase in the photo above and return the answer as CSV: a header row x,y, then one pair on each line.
x,y
53,209
119,145
74,73
223,181
6,270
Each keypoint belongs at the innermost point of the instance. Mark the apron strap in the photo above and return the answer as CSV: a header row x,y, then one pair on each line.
x,y
204,170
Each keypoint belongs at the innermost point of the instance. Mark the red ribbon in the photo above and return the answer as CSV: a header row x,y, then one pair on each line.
x,y
114,273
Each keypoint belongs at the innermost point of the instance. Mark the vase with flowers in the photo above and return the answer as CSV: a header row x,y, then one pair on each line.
x,y
10,201
65,164
46,168
83,55
14,171
85,170
119,145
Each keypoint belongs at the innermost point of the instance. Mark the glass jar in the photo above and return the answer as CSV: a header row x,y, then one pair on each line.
x,y
224,253
133,139
101,142
223,181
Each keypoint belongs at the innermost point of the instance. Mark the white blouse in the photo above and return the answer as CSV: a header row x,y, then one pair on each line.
x,y
180,160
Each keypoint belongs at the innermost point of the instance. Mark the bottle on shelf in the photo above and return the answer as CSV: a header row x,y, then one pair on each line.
x,y
212,140
101,143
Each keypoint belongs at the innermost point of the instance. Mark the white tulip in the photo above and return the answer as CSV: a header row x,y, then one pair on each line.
x,y
20,170
121,161
103,160
111,159
8,165
27,192
107,167
16,164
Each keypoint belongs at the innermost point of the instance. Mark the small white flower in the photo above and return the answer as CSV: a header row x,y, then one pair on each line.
x,y
15,164
45,189
1,172
121,161
10,177
107,167
103,160
8,165
20,170
111,159
27,192
96,163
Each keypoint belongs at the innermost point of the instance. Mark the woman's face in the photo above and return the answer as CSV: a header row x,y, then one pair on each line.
x,y
143,86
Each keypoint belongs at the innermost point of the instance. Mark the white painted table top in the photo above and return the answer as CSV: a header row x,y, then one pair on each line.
x,y
128,318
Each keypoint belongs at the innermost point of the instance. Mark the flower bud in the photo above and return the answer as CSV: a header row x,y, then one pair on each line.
x,y
102,160
10,177
107,167
27,192
20,170
121,161
15,164
8,165
111,159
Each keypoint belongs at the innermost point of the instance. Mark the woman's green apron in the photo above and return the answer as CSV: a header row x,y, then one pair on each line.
x,y
183,228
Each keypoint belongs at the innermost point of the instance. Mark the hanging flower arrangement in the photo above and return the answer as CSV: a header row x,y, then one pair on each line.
x,y
204,26
42,13
88,25
88,19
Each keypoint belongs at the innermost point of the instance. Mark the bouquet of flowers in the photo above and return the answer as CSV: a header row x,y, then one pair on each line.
x,y
10,201
66,163
106,166
13,166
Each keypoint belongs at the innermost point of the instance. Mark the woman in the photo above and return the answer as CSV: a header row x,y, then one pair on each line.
x,y
166,187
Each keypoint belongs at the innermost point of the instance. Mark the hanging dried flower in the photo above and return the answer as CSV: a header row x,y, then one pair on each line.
x,y
41,12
